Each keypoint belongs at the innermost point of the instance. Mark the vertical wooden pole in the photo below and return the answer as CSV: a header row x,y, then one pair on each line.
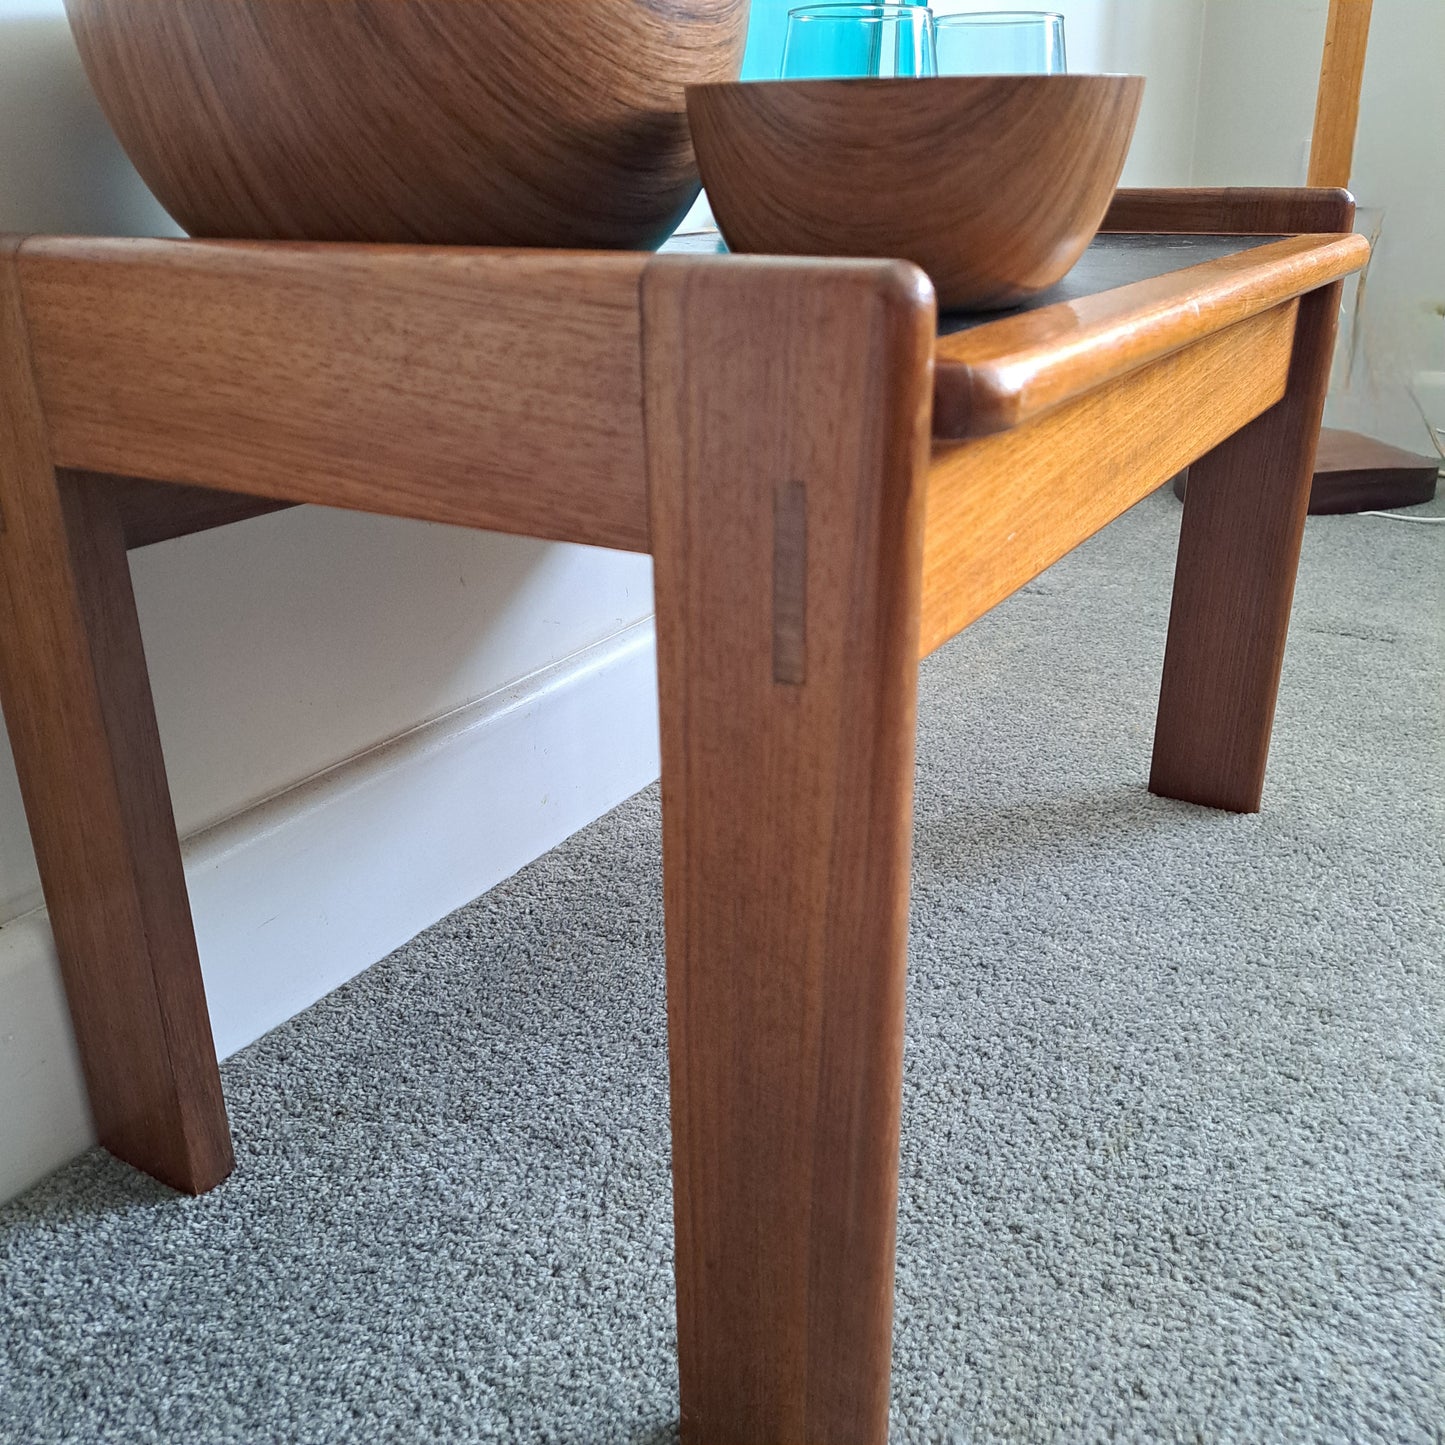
x,y
78,708
1337,104
787,415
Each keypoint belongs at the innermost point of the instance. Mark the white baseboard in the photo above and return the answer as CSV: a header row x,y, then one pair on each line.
x,y
295,896
44,1116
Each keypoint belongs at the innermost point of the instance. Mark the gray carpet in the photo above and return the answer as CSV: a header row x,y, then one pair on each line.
x,y
1172,1162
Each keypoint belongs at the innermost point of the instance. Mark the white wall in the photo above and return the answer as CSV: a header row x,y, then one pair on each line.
x,y
1259,69
1256,106
288,644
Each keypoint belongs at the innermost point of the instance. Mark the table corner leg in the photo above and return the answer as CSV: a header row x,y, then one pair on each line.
x,y
82,727
1239,546
787,419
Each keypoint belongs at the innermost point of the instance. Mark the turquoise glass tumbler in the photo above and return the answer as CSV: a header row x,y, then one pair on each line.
x,y
831,42
767,33
1000,42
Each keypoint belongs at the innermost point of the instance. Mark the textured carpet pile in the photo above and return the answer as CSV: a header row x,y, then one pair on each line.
x,y
1173,1121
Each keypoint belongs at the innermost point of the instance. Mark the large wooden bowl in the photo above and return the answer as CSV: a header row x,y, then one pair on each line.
x,y
488,122
994,184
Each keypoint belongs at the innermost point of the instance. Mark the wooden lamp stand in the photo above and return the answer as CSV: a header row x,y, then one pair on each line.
x,y
1354,473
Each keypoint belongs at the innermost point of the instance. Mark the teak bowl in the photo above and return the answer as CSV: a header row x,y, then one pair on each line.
x,y
485,122
994,184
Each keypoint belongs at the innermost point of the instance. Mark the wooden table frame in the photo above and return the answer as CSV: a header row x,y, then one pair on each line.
x,y
828,487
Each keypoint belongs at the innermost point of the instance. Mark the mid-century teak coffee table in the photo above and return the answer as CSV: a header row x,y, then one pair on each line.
x,y
831,483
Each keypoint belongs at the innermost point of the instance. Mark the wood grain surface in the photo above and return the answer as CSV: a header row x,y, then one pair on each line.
x,y
787,419
1004,507
1245,211
1337,101
484,388
857,168
999,376
1233,583
464,122
82,729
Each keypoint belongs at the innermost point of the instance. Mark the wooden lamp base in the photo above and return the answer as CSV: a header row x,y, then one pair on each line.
x,y
1355,473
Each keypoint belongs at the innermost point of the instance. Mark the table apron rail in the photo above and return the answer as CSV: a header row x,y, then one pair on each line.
x,y
1004,507
497,390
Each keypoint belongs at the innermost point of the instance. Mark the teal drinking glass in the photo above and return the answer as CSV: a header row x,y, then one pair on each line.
x,y
1001,42
767,33
829,42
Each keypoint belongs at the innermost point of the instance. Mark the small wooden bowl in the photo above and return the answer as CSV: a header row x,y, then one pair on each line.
x,y
994,184
482,122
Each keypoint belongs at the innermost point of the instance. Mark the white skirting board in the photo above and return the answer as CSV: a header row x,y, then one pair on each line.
x,y
295,896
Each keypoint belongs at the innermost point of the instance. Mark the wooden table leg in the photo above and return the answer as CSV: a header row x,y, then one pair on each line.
x,y
78,707
1244,517
787,416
